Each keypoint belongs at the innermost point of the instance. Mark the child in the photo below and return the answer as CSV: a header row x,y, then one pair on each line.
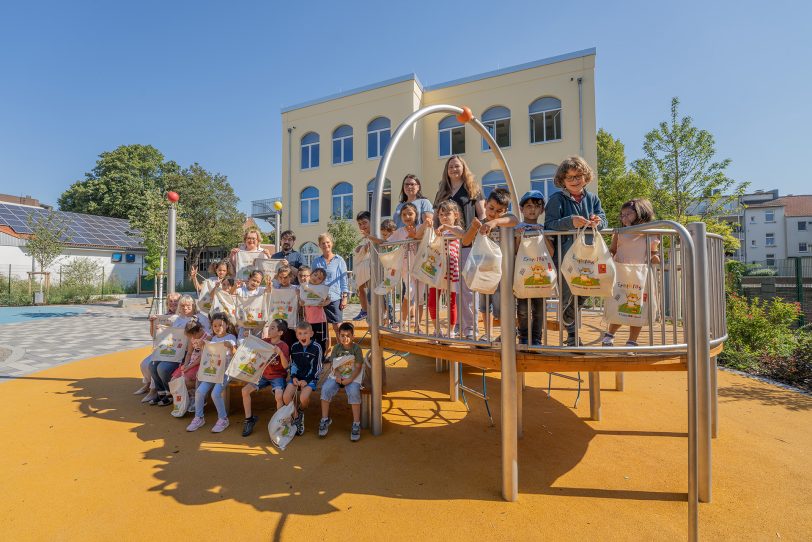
x,y
250,288
162,370
220,270
573,207
448,213
223,331
146,373
275,374
413,290
388,227
360,252
188,369
532,206
348,376
285,281
496,216
314,314
305,369
631,248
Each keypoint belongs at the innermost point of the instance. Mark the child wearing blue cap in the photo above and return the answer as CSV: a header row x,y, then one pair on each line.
x,y
532,207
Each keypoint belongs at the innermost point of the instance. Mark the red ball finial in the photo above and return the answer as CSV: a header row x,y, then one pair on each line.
x,y
465,116
173,197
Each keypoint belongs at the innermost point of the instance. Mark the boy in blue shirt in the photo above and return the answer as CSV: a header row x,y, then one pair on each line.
x,y
305,369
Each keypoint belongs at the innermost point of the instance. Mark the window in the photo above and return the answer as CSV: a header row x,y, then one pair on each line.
x,y
770,261
803,247
342,144
342,201
497,121
752,218
769,240
386,201
493,179
378,133
310,205
769,216
802,226
752,242
545,120
542,179
310,251
310,150
452,136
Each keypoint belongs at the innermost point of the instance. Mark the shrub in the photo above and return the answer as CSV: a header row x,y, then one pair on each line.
x,y
795,369
763,272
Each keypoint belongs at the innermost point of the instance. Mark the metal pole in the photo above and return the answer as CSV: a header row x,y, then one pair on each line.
x,y
510,382
171,247
702,338
454,381
278,234
159,282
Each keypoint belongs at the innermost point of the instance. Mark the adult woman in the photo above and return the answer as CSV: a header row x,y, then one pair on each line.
x,y
336,269
243,263
458,184
411,192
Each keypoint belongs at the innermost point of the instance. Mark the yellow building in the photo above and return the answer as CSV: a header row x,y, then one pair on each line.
x,y
539,113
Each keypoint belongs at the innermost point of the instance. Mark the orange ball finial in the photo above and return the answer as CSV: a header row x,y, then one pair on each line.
x,y
173,197
465,116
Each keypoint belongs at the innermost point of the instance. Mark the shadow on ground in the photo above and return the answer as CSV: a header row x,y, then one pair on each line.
x,y
766,395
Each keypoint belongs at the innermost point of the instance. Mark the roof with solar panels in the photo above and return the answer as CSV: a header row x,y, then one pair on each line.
x,y
82,230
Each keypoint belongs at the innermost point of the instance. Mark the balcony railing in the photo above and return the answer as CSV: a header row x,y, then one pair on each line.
x,y
263,208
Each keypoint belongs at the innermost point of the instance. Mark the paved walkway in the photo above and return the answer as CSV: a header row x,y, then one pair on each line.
x,y
60,336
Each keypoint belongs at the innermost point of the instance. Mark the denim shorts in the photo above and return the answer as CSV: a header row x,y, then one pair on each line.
x,y
333,314
277,383
331,387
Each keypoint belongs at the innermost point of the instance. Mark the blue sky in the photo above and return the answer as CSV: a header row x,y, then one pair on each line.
x,y
205,81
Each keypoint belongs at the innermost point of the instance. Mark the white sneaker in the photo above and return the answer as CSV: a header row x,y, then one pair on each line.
x,y
142,390
220,426
196,424
151,396
608,341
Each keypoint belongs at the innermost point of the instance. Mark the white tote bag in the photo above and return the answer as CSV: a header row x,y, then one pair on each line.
x,y
430,262
483,268
250,359
589,269
213,361
170,345
534,274
629,304
204,298
283,304
180,396
313,295
268,266
252,312
281,428
360,263
245,264
225,303
391,263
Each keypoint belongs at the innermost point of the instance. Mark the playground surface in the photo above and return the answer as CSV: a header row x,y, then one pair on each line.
x,y
90,462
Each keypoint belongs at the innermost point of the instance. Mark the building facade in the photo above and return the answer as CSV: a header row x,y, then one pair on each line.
x,y
539,113
778,229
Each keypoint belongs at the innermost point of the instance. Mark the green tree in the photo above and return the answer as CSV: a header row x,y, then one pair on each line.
x,y
209,206
119,182
150,219
345,236
616,183
48,238
689,181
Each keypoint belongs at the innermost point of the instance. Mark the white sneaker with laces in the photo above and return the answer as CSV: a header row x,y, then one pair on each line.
x,y
196,423
220,426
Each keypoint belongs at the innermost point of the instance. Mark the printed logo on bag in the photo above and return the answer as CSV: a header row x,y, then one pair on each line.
x,y
601,268
536,272
585,277
430,266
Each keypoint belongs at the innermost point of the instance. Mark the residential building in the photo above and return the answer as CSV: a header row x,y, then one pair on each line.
x,y
539,113
777,229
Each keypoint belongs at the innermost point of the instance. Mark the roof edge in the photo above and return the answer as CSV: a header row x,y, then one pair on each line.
x,y
358,90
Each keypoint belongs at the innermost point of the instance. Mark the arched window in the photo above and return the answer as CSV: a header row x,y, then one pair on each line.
x,y
497,120
542,179
342,144
310,150
451,135
493,179
386,201
310,251
378,132
545,120
310,205
342,201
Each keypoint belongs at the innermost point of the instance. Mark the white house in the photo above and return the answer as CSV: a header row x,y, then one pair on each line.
x,y
778,229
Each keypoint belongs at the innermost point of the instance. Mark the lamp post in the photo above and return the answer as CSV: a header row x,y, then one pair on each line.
x,y
278,206
171,249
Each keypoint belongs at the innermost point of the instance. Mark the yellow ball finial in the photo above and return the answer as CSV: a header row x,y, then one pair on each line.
x,y
277,205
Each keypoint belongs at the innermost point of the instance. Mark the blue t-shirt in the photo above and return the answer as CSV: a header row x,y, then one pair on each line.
x,y
423,206
336,275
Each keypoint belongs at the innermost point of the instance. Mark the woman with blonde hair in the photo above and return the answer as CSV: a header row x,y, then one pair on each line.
x,y
459,185
336,270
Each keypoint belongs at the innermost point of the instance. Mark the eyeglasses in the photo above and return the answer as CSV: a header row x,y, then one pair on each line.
x,y
288,238
411,184
574,178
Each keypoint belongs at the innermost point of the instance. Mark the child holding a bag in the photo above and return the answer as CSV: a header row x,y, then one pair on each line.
x,y
148,385
346,371
413,291
630,248
360,257
188,369
220,270
448,213
223,331
573,207
275,374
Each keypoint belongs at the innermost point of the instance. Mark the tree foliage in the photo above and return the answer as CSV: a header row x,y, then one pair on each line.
x,y
688,180
48,238
150,218
345,236
616,183
117,184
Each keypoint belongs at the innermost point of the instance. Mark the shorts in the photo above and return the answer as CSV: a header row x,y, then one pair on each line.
x,y
314,384
277,383
331,387
333,313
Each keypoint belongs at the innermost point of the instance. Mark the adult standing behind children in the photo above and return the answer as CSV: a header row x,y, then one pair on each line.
x,y
411,191
250,240
336,269
458,184
573,207
293,257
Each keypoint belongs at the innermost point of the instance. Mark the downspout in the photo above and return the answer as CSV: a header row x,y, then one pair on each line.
x,y
290,175
581,116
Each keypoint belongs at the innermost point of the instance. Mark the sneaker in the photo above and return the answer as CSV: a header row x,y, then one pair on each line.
x,y
536,342
469,335
361,316
299,421
196,424
220,426
355,432
157,399
142,390
166,400
248,425
153,394
571,341
608,340
324,424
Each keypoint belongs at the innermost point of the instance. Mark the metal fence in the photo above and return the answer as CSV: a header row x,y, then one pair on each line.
x,y
18,285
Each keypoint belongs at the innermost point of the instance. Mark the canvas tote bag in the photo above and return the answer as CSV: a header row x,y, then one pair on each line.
x,y
252,312
589,269
631,297
180,396
170,345
430,262
534,274
391,262
213,361
250,359
283,304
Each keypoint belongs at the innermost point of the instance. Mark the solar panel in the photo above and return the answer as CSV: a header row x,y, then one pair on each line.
x,y
81,228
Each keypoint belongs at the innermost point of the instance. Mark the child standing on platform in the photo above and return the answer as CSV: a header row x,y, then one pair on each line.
x,y
448,213
532,207
361,252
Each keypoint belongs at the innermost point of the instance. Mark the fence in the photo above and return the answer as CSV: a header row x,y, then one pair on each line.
x,y
16,288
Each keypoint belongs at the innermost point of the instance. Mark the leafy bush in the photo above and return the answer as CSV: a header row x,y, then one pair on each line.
x,y
763,272
795,369
734,270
